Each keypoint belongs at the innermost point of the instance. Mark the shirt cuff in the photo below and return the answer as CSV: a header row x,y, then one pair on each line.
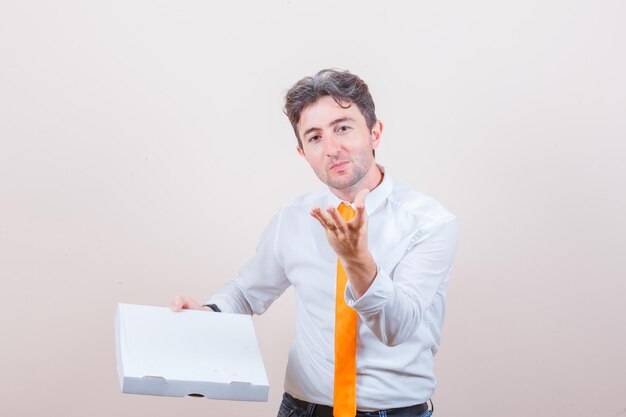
x,y
376,296
223,303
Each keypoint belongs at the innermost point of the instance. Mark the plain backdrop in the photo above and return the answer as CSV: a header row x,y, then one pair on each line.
x,y
143,149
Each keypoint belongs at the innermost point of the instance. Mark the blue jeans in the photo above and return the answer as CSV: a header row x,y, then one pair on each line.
x,y
288,408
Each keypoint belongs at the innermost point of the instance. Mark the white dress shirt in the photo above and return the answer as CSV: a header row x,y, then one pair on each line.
x,y
412,239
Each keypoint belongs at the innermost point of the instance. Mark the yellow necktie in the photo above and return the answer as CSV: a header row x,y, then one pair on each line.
x,y
344,402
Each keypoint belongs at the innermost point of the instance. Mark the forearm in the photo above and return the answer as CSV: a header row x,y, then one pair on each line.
x,y
391,313
393,307
361,272
230,299
260,281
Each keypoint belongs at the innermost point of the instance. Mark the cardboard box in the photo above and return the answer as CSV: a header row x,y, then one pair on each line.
x,y
195,353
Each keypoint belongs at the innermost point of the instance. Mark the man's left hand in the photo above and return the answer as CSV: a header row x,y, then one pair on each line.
x,y
349,241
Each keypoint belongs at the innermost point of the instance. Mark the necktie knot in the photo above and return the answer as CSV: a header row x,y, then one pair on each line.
x,y
346,211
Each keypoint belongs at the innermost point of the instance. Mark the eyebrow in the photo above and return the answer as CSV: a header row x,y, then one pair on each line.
x,y
334,122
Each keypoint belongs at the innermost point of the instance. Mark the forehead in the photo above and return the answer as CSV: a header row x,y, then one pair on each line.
x,y
324,111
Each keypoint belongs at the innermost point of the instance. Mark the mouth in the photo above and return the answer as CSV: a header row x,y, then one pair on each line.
x,y
338,166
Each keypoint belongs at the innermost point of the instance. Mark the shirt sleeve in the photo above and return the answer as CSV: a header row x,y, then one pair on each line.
x,y
393,308
260,281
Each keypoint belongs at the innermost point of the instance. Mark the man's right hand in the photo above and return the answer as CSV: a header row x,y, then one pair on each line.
x,y
181,302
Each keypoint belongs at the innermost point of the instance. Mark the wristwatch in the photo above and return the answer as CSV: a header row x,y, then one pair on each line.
x,y
212,307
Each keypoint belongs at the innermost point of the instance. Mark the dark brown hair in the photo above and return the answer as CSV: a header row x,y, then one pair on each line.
x,y
345,88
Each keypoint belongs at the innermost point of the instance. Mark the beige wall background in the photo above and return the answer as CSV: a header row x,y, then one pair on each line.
x,y
143,150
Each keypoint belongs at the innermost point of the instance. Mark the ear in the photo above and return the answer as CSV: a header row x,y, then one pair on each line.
x,y
300,151
377,132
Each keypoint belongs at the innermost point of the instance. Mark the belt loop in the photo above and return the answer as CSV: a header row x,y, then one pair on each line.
x,y
309,409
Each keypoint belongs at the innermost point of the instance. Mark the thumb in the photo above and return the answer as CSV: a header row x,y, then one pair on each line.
x,y
359,198
176,303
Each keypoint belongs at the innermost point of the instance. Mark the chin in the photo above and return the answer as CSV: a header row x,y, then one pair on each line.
x,y
341,185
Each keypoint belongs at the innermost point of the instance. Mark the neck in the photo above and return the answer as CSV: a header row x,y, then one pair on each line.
x,y
370,181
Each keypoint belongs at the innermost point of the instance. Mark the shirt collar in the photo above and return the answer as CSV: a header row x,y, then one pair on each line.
x,y
374,198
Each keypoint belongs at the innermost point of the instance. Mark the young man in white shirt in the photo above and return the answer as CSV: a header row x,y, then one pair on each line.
x,y
396,252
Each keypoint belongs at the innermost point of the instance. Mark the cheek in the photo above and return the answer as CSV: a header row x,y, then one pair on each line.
x,y
313,159
318,163
314,153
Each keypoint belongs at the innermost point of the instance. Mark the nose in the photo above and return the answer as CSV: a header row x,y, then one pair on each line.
x,y
332,145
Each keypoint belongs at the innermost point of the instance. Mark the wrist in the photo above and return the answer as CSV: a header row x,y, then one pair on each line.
x,y
361,260
361,272
212,307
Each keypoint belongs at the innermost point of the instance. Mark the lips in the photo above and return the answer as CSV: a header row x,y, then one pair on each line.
x,y
338,166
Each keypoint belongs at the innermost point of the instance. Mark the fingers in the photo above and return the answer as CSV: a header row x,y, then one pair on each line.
x,y
331,219
359,204
359,199
336,217
177,303
181,302
324,218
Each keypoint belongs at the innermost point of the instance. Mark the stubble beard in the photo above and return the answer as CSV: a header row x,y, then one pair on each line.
x,y
359,172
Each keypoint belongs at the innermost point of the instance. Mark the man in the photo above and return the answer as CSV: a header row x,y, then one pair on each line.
x,y
369,260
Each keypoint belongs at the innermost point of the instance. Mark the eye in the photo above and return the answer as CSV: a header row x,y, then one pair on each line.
x,y
314,138
343,128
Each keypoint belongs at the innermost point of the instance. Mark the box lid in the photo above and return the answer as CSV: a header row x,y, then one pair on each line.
x,y
161,352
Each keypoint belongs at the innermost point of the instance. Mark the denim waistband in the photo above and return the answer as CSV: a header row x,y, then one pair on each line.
x,y
320,410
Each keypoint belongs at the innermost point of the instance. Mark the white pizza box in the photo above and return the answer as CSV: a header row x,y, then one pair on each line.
x,y
195,353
